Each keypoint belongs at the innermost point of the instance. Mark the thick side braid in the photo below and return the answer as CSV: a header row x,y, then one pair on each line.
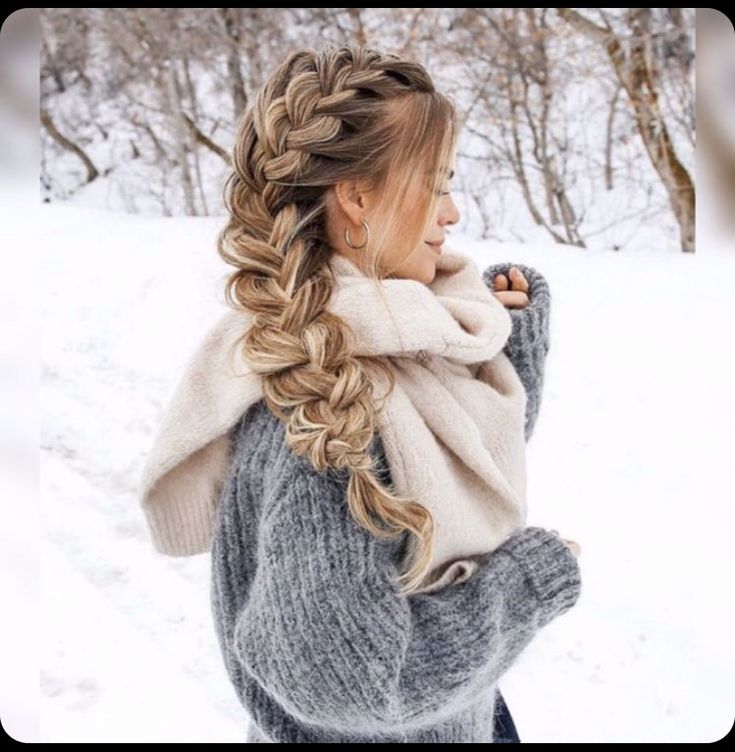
x,y
323,117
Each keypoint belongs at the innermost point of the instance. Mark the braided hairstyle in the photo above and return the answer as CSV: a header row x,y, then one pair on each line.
x,y
342,113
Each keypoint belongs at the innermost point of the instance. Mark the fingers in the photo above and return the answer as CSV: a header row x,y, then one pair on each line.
x,y
573,546
512,298
517,296
518,281
515,279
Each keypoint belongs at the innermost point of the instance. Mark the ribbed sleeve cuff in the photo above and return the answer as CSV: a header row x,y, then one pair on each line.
x,y
530,324
529,340
549,565
179,527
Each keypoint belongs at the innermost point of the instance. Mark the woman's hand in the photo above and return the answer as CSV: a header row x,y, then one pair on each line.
x,y
517,295
573,546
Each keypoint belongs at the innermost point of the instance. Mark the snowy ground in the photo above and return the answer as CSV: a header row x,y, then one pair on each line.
x,y
628,458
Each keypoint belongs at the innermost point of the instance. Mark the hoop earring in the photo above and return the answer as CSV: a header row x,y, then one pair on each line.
x,y
367,238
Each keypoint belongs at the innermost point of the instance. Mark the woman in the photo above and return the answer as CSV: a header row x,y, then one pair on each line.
x,y
313,532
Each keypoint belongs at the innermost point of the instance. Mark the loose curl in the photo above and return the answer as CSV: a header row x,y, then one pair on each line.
x,y
345,112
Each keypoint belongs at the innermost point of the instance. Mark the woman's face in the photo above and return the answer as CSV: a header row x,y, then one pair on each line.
x,y
420,264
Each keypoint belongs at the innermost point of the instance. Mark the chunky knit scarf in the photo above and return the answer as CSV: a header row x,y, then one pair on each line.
x,y
453,427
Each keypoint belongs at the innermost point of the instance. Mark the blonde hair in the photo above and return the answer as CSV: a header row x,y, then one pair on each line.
x,y
344,112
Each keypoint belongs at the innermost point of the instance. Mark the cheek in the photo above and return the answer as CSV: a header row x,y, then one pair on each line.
x,y
420,266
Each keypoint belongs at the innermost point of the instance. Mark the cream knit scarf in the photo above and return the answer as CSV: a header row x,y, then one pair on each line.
x,y
452,428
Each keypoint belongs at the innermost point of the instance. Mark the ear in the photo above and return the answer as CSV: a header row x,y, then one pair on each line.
x,y
354,198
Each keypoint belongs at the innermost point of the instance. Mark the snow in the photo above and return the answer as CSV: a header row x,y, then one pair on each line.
x,y
629,458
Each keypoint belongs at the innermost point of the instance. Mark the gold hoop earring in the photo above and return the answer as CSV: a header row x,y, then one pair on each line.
x,y
367,238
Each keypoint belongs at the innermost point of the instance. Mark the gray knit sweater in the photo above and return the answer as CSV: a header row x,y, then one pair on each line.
x,y
317,641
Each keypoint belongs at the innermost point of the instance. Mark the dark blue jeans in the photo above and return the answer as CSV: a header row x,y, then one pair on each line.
x,y
505,728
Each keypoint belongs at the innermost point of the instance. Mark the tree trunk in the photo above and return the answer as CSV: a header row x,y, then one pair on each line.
x,y
637,78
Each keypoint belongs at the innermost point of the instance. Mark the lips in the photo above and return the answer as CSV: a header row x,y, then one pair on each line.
x,y
434,246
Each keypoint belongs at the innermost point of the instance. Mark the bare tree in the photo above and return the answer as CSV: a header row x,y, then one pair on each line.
x,y
233,24
69,145
638,75
517,93
151,96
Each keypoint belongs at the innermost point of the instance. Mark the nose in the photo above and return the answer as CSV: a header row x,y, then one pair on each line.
x,y
449,214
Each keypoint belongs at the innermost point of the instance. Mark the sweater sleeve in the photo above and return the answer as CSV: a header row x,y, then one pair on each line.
x,y
326,632
529,341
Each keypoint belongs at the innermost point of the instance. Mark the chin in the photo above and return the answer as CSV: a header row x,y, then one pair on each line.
x,y
423,269
427,272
